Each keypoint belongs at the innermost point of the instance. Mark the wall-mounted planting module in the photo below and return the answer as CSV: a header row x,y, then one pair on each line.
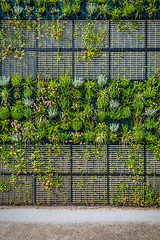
x,y
81,9
80,102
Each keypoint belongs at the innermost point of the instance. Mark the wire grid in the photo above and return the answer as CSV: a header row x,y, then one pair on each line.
x,y
128,64
53,64
133,35
93,68
89,190
21,191
152,164
25,68
81,175
47,39
126,188
89,159
121,159
61,194
98,26
153,34
129,52
27,35
153,62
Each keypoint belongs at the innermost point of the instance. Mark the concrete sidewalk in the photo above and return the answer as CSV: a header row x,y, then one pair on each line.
x,y
75,215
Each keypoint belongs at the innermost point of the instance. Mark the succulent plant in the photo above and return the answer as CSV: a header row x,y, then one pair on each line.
x,y
78,82
4,81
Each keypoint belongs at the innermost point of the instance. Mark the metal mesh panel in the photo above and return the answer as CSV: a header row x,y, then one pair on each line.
x,y
55,159
20,192
89,190
20,35
123,160
152,164
57,195
79,175
26,67
92,69
153,183
153,62
99,26
58,159
131,37
46,40
52,64
130,64
153,34
89,159
126,189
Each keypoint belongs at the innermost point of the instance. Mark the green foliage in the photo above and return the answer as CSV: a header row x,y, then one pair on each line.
x,y
128,9
6,7
66,9
102,99
90,90
101,116
91,8
29,2
76,8
93,41
16,80
4,112
65,81
77,124
66,106
89,136
101,133
28,92
4,94
17,112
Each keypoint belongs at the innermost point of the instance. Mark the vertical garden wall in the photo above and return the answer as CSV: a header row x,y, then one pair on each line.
x,y
80,102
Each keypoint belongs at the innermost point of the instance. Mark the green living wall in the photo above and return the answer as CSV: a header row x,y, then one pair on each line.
x,y
80,112
80,102
81,9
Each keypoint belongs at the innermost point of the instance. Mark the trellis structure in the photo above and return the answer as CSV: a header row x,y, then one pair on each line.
x,y
83,175
133,53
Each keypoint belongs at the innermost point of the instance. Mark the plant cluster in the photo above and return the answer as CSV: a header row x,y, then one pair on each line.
x,y
114,9
83,111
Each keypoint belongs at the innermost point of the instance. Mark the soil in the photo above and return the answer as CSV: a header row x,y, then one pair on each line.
x,y
19,228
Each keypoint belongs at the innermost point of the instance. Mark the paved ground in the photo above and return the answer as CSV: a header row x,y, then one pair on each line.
x,y
79,223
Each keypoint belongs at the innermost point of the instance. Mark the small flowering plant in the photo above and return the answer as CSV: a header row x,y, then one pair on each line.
x,y
151,111
53,93
39,108
77,137
18,131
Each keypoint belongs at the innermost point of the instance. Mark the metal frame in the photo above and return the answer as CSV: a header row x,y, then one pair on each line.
x,y
107,174
108,50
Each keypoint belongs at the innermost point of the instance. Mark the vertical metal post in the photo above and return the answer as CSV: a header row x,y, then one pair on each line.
x,y
71,174
144,172
36,50
73,49
146,51
109,45
108,173
34,188
0,51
